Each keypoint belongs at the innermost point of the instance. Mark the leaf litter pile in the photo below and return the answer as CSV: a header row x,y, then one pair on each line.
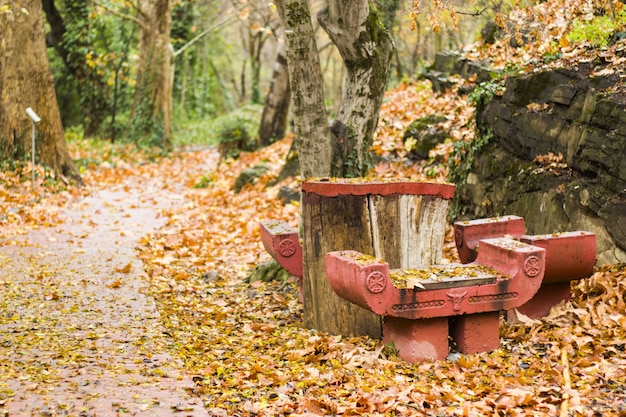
x,y
77,336
243,343
245,347
249,354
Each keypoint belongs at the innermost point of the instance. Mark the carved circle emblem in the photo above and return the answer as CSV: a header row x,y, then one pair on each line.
x,y
287,248
458,236
376,282
532,266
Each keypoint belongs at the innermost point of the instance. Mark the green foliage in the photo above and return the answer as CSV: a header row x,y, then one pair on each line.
x,y
193,132
388,10
183,18
597,31
66,92
95,152
390,349
231,128
552,56
461,162
205,181
244,122
484,92
90,65
267,272
236,131
146,126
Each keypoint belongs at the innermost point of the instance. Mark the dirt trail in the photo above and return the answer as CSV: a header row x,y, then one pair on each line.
x,y
77,335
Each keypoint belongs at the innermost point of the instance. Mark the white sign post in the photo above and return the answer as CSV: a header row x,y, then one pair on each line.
x,y
35,119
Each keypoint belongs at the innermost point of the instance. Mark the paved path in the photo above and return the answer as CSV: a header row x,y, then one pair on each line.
x,y
77,335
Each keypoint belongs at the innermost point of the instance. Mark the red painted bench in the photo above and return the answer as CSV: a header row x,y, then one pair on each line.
x,y
282,242
417,305
570,256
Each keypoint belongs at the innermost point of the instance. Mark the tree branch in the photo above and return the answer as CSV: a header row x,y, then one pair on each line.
x,y
57,29
120,15
475,14
202,34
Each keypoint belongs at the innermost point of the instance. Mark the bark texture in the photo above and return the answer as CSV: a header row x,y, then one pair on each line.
x,y
152,109
276,108
26,81
366,48
313,139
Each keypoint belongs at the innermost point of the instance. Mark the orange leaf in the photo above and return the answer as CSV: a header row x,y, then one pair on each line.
x,y
126,269
115,284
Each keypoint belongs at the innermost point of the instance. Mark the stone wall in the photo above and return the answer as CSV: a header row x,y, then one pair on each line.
x,y
581,185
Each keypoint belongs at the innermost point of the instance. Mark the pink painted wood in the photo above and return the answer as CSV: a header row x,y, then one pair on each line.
x,y
416,320
368,284
346,186
281,241
468,234
569,256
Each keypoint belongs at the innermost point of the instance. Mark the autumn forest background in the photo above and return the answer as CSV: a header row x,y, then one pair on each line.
x,y
212,122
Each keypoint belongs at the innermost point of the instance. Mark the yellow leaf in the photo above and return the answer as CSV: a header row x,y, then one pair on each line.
x,y
126,269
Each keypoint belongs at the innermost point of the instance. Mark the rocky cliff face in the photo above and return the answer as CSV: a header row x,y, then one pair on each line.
x,y
556,155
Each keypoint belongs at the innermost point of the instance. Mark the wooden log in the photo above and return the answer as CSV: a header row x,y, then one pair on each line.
x,y
401,222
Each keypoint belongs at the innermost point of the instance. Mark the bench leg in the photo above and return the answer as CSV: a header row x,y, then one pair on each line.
x,y
417,340
547,297
475,333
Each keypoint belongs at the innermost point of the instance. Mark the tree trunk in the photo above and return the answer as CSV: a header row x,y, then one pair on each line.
x,y
313,139
402,223
71,43
276,108
256,46
26,81
366,48
151,116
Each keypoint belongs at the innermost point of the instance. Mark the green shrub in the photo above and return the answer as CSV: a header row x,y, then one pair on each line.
x,y
237,128
237,131
597,31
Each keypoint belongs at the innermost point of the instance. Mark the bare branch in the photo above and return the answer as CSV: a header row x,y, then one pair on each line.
x,y
120,15
475,14
202,34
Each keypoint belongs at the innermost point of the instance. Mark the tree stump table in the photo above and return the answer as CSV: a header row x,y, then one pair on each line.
x,y
402,222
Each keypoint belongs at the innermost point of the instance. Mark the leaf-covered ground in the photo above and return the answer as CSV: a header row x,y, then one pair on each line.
x,y
243,344
250,354
241,347
78,336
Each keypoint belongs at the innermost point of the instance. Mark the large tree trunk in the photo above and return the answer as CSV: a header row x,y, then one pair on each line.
x,y
151,116
276,108
366,48
313,139
26,81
